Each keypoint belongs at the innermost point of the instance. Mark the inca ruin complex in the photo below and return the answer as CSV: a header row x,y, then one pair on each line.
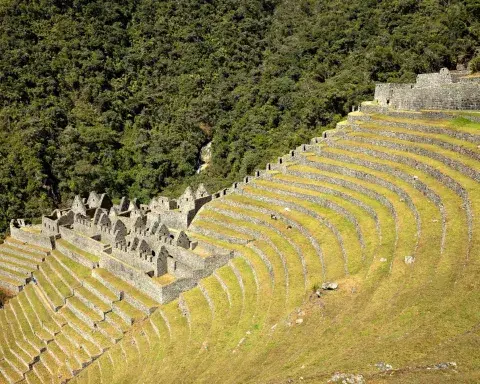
x,y
390,198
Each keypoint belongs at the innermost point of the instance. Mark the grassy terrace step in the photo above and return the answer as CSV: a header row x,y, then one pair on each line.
x,y
25,326
100,290
79,252
80,342
350,211
260,270
448,124
468,186
453,159
15,338
17,360
61,360
452,204
10,375
407,224
66,277
54,361
76,270
11,284
438,140
332,259
41,374
351,248
356,203
91,334
20,268
31,247
131,294
128,312
32,317
9,256
44,313
293,266
83,312
77,358
14,275
109,331
50,294
117,321
26,247
50,274
92,301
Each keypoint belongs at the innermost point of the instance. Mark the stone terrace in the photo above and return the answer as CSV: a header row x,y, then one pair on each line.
x,y
389,198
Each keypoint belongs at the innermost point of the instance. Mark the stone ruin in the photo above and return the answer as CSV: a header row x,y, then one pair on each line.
x,y
135,240
446,90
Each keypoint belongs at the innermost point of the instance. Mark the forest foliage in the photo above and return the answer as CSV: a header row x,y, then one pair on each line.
x,y
120,95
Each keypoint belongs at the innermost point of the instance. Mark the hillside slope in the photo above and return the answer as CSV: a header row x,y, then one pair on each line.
x,y
120,96
387,206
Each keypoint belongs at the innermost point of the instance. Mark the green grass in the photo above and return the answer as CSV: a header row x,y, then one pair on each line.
x,y
74,249
410,316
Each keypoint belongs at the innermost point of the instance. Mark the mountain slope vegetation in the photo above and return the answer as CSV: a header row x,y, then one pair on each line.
x,y
120,96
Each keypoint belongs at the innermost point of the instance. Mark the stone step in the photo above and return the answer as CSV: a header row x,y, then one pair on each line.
x,y
8,264
84,313
39,307
76,254
117,321
26,248
92,350
109,331
127,312
13,275
93,335
60,287
10,285
29,264
92,301
49,293
125,290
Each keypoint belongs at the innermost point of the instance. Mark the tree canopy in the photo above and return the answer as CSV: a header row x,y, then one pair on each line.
x,y
120,96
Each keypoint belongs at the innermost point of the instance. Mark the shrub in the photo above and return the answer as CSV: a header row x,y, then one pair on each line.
x,y
475,64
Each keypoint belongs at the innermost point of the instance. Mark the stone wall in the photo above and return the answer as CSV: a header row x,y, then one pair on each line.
x,y
174,219
433,91
135,262
87,244
37,239
454,96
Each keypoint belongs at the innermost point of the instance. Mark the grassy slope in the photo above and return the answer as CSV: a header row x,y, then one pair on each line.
x,y
408,316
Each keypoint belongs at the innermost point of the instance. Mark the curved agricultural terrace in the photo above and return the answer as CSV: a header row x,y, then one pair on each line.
x,y
387,206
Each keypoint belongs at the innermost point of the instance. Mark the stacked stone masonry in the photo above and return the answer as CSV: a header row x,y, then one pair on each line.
x,y
81,268
435,91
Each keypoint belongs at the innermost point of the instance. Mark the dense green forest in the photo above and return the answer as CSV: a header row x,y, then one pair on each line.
x,y
121,95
